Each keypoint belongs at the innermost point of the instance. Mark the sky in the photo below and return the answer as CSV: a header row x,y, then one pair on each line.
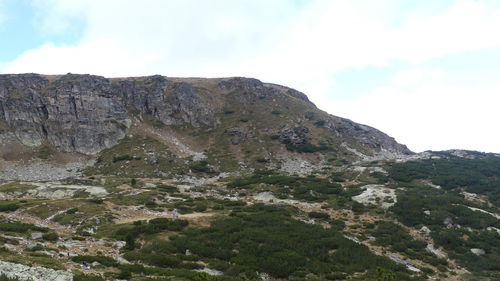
x,y
425,72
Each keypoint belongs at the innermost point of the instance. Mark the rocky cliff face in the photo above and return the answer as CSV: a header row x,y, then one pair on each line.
x,y
86,114
173,103
74,113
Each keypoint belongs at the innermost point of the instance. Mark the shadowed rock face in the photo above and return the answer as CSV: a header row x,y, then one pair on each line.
x,y
78,113
86,113
173,103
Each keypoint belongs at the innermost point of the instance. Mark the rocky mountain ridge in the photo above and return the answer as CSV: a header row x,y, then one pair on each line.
x,y
86,114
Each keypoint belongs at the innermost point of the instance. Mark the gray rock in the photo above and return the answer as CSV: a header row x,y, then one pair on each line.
x,y
31,245
210,271
477,251
296,136
74,113
23,272
448,222
440,254
10,247
118,244
39,170
36,235
173,103
425,230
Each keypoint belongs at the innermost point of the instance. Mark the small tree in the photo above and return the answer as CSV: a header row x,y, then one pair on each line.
x,y
130,242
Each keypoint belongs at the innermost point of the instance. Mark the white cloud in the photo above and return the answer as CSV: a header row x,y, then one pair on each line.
x,y
277,42
212,38
184,37
337,35
435,114
88,57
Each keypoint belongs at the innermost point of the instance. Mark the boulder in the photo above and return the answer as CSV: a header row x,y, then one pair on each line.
x,y
477,251
36,235
425,230
440,254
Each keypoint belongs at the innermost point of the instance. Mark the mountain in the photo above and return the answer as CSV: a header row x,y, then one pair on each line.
x,y
87,114
156,178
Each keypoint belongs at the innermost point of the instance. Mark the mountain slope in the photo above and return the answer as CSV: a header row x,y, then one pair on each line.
x,y
156,178
236,120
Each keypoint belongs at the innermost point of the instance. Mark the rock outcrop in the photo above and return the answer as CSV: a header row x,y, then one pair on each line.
x,y
76,113
86,113
23,272
173,103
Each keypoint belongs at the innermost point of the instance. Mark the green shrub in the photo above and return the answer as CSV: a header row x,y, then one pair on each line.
x,y
51,236
104,260
267,239
124,275
320,123
307,148
200,167
152,227
129,242
90,277
304,188
133,182
134,268
157,123
8,206
96,201
167,188
21,227
477,175
125,157
318,215
45,152
71,211
154,259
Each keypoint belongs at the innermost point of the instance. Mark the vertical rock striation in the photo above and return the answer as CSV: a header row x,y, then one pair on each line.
x,y
75,113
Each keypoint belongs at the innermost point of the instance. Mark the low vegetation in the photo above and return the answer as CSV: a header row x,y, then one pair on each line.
x,y
303,188
454,223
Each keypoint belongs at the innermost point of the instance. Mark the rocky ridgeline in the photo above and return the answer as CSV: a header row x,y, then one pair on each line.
x,y
23,272
86,113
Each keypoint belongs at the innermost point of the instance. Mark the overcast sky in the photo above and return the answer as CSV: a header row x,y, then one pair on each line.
x,y
426,72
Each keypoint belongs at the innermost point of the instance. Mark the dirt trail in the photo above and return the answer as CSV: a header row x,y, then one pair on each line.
x,y
194,216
